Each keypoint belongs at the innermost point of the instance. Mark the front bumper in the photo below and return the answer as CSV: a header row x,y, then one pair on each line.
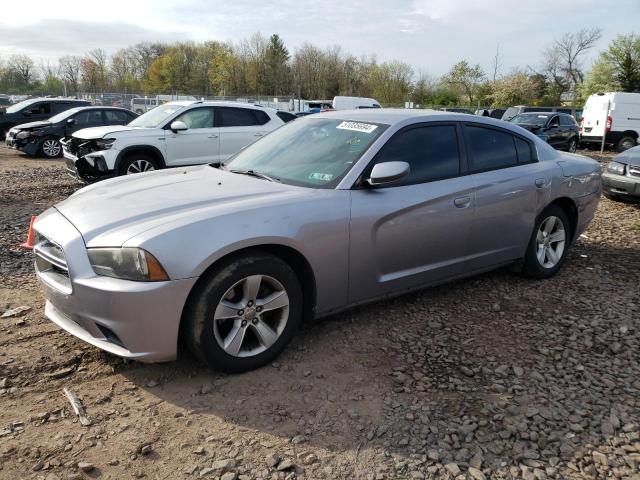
x,y
29,145
621,185
136,320
91,167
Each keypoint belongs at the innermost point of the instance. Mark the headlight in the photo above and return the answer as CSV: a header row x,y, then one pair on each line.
x,y
23,134
615,167
126,263
105,143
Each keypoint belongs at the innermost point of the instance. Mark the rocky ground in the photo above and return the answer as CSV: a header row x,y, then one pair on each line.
x,y
495,376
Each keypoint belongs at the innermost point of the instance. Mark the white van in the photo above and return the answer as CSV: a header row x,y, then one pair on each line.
x,y
349,103
613,114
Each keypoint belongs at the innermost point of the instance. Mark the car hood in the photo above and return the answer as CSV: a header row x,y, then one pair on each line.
x,y
109,213
630,157
32,125
100,132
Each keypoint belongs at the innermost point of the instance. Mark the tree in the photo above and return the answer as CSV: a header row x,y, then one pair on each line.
x,y
277,68
69,67
496,64
466,78
22,68
391,82
99,58
623,58
601,78
517,88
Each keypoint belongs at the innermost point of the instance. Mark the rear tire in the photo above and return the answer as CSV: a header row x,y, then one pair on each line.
x,y
137,163
572,146
626,143
227,321
548,245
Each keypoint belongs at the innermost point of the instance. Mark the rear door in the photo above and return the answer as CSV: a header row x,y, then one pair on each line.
x,y
239,127
510,187
84,119
416,231
117,117
39,111
198,144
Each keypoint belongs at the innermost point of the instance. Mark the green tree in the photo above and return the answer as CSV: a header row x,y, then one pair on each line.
x,y
277,66
623,57
466,78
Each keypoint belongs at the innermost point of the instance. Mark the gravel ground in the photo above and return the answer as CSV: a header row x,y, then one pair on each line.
x,y
495,376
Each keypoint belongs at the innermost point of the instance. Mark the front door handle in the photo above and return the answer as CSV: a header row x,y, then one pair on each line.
x,y
257,134
212,136
462,202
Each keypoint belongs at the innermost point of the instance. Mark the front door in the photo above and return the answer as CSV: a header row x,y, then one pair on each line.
x,y
198,144
414,232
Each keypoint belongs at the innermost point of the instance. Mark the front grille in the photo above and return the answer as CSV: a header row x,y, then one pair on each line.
x,y
634,171
51,264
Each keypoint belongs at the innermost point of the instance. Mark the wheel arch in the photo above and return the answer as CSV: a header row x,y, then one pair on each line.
x,y
292,257
570,209
150,150
630,133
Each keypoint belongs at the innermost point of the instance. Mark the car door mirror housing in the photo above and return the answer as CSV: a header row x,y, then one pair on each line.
x,y
71,121
388,172
179,126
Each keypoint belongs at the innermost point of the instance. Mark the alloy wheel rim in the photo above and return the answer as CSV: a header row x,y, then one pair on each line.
x,y
251,316
573,146
550,242
51,148
139,166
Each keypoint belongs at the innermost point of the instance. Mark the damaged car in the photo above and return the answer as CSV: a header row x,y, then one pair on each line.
x,y
45,137
171,135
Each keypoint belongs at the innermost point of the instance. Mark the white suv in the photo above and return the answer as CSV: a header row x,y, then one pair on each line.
x,y
170,135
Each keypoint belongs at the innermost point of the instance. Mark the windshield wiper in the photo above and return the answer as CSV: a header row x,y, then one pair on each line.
x,y
253,173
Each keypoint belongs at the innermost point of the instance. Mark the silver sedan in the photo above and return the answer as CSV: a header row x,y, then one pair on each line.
x,y
327,212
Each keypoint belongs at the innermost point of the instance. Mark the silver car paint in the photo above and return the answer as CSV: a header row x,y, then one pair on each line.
x,y
361,244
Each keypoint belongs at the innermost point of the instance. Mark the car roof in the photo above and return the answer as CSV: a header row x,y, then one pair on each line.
x,y
219,103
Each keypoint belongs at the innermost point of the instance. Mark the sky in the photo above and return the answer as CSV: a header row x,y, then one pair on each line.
x,y
431,35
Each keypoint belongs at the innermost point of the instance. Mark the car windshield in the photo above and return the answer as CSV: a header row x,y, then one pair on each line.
x,y
19,106
310,152
156,117
63,115
538,119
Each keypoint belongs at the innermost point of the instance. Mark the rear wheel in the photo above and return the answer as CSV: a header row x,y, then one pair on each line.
x,y
549,243
51,147
572,146
626,143
243,313
137,163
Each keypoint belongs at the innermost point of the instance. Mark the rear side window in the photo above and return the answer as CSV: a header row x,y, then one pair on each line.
x,y
40,108
286,116
431,152
567,121
261,117
524,150
238,117
490,149
116,116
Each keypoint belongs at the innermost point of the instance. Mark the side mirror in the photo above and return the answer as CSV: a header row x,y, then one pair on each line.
x,y
388,172
71,121
179,126
27,113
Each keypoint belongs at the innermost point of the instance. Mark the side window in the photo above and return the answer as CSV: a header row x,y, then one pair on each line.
x,y
87,117
554,122
566,121
261,117
237,117
43,108
524,150
286,116
197,118
431,152
490,149
116,116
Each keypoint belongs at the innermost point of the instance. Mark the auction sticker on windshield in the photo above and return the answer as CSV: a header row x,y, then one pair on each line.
x,y
357,127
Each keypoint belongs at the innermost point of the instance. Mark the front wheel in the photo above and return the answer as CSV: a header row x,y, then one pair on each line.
x,y
549,243
243,313
137,163
51,147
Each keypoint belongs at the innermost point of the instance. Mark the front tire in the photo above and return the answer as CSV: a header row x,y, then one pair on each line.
x,y
137,163
243,313
549,244
51,147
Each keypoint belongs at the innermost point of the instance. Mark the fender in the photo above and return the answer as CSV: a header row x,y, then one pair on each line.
x,y
128,149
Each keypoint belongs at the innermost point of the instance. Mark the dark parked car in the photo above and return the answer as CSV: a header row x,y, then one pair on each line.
x,y
44,137
35,109
456,110
621,179
491,112
511,112
559,130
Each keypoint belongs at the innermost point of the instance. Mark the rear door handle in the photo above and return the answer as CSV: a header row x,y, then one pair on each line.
x,y
212,136
462,202
257,134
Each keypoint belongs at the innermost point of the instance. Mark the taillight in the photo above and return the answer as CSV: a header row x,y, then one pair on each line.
x,y
607,127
